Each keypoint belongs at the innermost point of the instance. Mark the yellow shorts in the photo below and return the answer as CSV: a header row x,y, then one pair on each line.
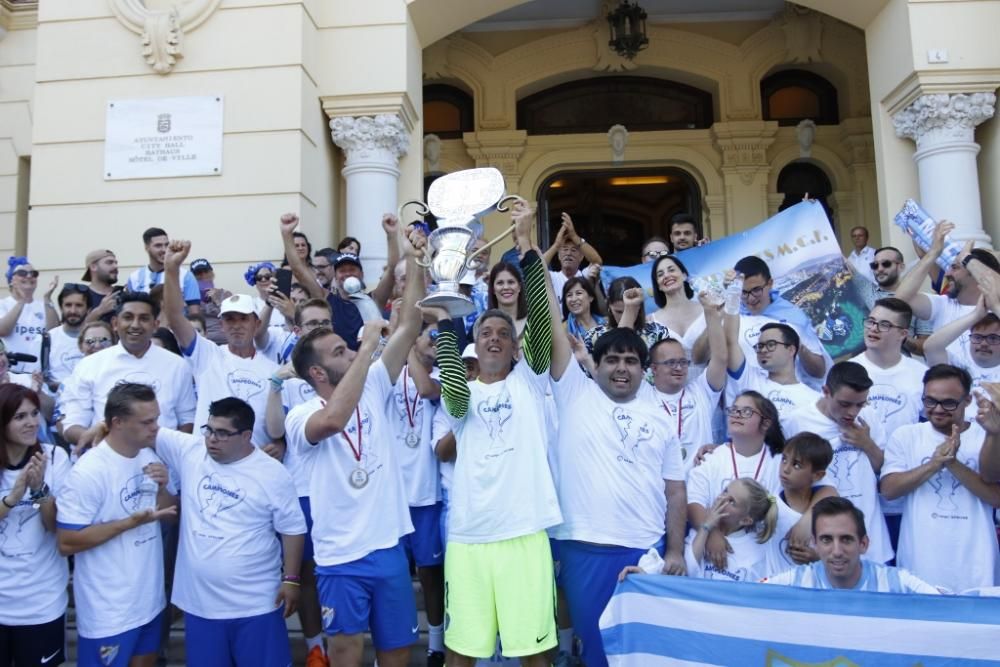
x,y
503,586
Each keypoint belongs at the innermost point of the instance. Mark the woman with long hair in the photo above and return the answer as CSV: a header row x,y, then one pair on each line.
x,y
33,595
580,308
683,317
625,309
506,292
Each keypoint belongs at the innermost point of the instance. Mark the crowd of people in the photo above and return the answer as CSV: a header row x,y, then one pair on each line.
x,y
306,443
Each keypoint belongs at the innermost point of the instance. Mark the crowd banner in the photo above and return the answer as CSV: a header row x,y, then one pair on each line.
x,y
656,620
806,263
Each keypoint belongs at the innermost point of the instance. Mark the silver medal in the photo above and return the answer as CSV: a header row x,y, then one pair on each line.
x,y
412,439
358,478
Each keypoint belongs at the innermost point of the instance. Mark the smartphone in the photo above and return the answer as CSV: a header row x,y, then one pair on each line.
x,y
283,280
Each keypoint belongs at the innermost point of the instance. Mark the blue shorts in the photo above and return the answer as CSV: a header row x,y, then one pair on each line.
x,y
556,556
117,650
424,543
444,517
251,642
374,592
589,575
307,548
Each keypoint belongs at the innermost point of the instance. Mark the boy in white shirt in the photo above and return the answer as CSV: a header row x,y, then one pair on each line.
x,y
934,466
108,516
237,502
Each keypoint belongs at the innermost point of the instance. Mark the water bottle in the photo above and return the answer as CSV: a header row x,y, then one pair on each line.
x,y
733,293
147,493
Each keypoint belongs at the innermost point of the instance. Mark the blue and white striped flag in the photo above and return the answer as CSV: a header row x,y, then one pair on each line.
x,y
655,620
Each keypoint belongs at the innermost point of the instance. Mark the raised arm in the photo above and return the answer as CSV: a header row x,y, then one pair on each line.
x,y
935,347
382,291
300,270
173,298
715,373
553,249
454,386
988,416
538,330
339,408
634,301
589,251
734,353
402,339
909,286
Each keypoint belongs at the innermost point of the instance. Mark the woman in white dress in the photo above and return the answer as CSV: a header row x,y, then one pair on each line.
x,y
678,311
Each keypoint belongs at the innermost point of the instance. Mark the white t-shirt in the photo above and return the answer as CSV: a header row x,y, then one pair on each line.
x,y
861,261
64,353
851,472
117,585
960,357
748,562
724,464
229,558
750,332
612,462
778,559
947,537
298,461
220,373
351,522
26,338
875,578
441,427
944,309
86,391
410,418
28,553
690,413
786,397
502,486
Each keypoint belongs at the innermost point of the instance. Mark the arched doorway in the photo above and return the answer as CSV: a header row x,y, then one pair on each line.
x,y
617,210
800,178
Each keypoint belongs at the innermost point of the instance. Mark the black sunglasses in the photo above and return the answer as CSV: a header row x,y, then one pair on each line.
x,y
885,264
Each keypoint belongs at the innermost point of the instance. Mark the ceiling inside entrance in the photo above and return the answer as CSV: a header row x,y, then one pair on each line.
x,y
546,14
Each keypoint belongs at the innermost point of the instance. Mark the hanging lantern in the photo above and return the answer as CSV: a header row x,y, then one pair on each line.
x,y
628,29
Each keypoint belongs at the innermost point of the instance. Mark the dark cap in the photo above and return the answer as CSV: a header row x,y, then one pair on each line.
x,y
347,257
199,265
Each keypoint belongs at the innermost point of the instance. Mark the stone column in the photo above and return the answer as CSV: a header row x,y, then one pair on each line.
x,y
943,126
373,146
745,170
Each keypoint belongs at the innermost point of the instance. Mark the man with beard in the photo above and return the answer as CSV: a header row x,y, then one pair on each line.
x,y
963,292
888,267
64,351
102,274
683,233
571,250
134,359
145,278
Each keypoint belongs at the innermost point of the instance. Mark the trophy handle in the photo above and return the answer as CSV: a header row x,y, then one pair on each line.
x,y
426,261
473,263
422,209
502,204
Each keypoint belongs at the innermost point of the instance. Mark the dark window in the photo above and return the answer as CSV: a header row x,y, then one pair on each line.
x,y
448,111
792,96
800,178
594,105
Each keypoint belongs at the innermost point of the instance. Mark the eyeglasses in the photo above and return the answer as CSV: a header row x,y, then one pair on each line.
x,y
262,277
744,412
316,324
769,345
25,274
82,288
754,292
103,340
885,264
653,254
218,433
880,325
948,405
672,363
990,339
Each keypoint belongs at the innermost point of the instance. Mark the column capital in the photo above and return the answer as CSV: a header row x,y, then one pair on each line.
x,y
941,117
359,135
744,144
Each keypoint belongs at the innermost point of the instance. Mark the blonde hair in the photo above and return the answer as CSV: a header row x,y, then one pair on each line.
x,y
762,509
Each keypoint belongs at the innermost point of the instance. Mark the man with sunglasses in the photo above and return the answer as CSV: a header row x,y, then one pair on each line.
x,y
934,467
888,268
862,254
842,416
23,316
761,304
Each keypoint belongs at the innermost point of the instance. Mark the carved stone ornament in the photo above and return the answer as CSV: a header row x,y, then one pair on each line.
x,y
362,134
618,139
944,117
805,133
162,28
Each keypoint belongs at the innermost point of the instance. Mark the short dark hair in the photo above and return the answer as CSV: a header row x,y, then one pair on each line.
x,y
329,253
987,320
899,255
663,341
986,257
71,289
751,266
897,306
683,219
811,448
848,374
586,286
659,297
151,234
861,227
621,340
947,372
789,336
136,297
346,241
166,336
234,409
304,355
123,396
616,293
835,506
314,302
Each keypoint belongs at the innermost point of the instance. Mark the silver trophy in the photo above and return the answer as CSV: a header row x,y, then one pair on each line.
x,y
456,200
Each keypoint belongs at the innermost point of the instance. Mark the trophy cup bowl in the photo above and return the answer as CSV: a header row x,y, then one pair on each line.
x,y
457,199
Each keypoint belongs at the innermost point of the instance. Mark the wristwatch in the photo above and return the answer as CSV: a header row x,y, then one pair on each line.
x,y
40,494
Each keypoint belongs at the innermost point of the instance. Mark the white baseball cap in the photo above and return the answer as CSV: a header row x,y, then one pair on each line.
x,y
470,352
238,303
